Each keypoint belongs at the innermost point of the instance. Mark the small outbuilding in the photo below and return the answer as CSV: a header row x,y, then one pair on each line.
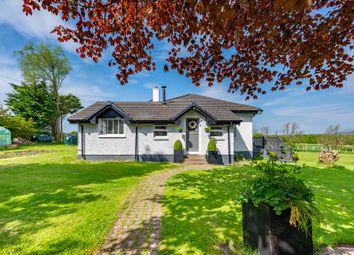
x,y
5,136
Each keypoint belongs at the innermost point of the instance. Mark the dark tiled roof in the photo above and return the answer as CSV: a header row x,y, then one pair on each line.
x,y
221,110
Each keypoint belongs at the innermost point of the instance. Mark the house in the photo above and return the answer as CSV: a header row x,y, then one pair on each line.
x,y
147,131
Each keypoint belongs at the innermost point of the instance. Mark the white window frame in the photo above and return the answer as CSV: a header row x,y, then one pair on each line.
x,y
160,128
217,129
120,122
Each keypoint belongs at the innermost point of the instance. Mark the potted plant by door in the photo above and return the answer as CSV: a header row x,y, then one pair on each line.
x,y
277,210
178,152
213,157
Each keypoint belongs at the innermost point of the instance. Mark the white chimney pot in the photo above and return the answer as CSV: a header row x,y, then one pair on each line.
x,y
156,94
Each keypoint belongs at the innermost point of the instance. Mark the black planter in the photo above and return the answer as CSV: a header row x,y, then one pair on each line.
x,y
214,158
178,156
272,234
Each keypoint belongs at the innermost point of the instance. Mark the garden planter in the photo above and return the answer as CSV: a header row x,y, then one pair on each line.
x,y
272,234
214,158
178,156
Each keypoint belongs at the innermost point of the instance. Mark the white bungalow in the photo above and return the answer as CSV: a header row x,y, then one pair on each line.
x,y
147,131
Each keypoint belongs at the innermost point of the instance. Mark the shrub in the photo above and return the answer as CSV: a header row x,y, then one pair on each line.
x,y
179,129
272,156
19,127
238,157
296,157
281,187
212,145
178,146
258,157
207,130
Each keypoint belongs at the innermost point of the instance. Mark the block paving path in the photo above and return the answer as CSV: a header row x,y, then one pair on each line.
x,y
137,229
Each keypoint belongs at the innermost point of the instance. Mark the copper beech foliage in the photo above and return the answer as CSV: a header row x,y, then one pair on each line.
x,y
245,43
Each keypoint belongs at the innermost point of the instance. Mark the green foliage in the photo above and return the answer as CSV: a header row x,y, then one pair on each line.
x,y
281,187
256,135
42,63
238,157
258,157
212,145
178,145
69,104
207,130
272,156
348,139
18,126
296,157
32,101
179,129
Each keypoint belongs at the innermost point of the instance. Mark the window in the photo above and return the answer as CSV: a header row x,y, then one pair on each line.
x,y
111,127
216,132
160,131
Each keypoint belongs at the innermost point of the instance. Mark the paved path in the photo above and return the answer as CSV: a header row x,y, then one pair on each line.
x,y
138,227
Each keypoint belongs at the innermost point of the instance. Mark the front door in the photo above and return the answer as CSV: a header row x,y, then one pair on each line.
x,y
192,135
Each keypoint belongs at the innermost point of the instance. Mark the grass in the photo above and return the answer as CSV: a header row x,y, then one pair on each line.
x,y
202,216
52,203
311,159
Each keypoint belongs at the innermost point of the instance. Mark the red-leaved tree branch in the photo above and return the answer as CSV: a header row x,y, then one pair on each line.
x,y
249,44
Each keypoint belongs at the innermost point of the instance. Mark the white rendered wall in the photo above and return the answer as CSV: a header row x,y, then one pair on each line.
x,y
243,140
150,145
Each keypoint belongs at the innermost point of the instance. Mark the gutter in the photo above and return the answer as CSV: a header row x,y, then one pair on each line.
x,y
228,144
82,143
136,142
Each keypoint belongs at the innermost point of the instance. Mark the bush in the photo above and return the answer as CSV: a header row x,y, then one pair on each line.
x,y
238,157
178,146
258,157
281,187
179,129
207,130
272,156
296,157
19,127
212,145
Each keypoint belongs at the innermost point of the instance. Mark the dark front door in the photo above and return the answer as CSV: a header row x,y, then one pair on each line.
x,y
192,135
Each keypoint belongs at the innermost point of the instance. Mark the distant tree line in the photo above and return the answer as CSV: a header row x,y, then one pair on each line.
x,y
37,100
332,138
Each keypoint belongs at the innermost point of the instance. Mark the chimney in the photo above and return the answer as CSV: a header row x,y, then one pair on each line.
x,y
163,94
156,94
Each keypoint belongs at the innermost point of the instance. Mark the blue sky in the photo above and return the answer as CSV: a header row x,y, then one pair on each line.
x,y
314,111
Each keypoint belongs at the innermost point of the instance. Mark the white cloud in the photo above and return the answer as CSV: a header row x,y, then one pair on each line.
x,y
39,25
88,93
220,91
150,85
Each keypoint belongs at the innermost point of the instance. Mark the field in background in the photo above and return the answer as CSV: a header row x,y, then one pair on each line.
x,y
318,148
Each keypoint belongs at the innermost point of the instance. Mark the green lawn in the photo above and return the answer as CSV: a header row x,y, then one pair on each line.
x,y
311,159
202,216
52,203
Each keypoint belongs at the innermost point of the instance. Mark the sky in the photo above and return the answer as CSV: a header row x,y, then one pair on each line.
x,y
313,111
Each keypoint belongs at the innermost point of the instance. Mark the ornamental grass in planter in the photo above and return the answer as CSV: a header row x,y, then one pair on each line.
x,y
277,210
178,156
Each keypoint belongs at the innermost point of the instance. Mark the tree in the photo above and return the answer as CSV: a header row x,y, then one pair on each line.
x,y
250,44
41,63
265,131
18,126
69,104
291,129
32,101
332,138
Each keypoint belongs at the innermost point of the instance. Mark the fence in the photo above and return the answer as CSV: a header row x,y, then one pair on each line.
x,y
318,147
